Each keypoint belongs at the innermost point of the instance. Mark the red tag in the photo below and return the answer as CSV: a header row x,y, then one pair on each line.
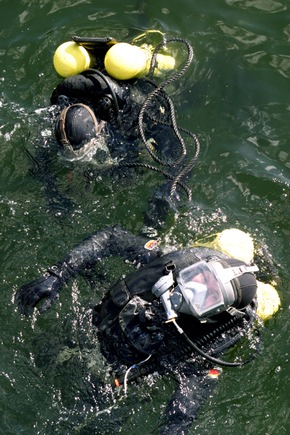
x,y
116,382
214,373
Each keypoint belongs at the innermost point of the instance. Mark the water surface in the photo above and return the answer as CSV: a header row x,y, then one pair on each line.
x,y
235,97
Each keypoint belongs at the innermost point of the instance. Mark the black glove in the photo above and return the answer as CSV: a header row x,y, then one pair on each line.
x,y
46,287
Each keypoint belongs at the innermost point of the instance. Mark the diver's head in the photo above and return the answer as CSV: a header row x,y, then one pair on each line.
x,y
207,288
76,126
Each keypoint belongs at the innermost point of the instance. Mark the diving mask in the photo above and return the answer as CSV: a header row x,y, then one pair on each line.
x,y
207,288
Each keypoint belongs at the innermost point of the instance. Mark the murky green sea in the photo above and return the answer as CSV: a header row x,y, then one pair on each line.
x,y
235,96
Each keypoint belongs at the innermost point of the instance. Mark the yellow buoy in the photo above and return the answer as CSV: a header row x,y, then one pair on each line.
x,y
70,58
268,300
165,62
124,61
235,243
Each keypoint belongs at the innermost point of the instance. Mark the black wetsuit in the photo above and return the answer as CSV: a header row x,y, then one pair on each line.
x,y
131,322
117,104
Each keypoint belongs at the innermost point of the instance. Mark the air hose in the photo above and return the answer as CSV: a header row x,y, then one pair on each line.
x,y
210,358
159,90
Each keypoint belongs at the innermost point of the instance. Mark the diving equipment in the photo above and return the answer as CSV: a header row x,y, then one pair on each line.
x,y
78,132
71,58
77,125
207,288
125,61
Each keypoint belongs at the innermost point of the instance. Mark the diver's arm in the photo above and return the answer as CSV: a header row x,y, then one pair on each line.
x,y
111,241
195,386
44,169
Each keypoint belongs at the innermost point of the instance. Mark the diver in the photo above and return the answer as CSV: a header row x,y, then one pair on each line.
x,y
177,313
110,81
108,111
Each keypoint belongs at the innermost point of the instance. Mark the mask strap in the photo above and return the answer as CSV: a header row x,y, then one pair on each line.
x,y
62,118
234,272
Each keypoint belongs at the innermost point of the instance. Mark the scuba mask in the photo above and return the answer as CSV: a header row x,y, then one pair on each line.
x,y
79,133
77,125
207,288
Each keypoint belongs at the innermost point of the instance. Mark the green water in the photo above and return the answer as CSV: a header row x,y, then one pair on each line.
x,y
235,97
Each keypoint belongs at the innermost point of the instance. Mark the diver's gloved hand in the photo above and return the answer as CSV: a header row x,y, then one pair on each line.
x,y
46,288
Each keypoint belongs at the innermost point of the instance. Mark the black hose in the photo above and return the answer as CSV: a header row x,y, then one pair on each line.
x,y
161,171
159,90
251,312
217,360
